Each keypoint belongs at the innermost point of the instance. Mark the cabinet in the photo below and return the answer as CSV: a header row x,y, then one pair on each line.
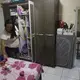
x,y
65,50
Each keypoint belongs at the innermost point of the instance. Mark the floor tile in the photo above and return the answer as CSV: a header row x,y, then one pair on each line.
x,y
43,75
51,77
71,73
45,68
66,78
55,71
77,63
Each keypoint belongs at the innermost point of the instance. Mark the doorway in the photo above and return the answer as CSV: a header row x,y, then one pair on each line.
x,y
77,57
78,22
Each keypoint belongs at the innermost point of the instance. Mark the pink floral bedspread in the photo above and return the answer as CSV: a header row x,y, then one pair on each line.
x,y
20,70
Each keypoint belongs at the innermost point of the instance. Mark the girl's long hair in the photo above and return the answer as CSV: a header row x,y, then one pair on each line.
x,y
13,33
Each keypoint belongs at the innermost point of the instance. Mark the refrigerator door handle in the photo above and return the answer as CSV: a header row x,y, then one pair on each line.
x,y
39,34
50,35
33,35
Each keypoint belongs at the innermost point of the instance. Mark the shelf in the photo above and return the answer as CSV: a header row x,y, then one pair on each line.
x,y
28,38
29,48
24,33
15,4
14,14
11,4
28,26
19,15
23,15
26,57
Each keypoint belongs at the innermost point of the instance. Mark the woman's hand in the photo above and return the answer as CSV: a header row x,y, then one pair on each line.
x,y
5,56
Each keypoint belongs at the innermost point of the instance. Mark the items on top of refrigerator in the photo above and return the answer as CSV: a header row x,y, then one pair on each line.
x,y
13,12
17,0
62,31
72,27
62,24
6,1
21,11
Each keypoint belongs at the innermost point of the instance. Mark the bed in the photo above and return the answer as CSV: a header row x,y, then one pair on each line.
x,y
15,69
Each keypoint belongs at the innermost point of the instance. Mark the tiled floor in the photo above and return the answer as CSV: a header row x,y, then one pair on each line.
x,y
59,73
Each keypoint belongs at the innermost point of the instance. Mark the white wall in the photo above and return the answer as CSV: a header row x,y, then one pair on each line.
x,y
1,19
1,22
67,10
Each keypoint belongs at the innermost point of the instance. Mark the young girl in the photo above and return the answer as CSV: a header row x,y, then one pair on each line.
x,y
10,40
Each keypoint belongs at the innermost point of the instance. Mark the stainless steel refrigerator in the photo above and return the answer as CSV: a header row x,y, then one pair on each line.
x,y
44,39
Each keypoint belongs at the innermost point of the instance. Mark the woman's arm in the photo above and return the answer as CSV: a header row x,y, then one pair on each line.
x,y
3,48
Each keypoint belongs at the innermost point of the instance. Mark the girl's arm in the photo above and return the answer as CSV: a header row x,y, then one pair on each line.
x,y
3,48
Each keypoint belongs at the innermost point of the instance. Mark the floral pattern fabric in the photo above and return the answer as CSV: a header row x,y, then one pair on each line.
x,y
20,70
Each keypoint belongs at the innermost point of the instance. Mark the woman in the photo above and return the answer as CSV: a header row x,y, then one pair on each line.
x,y
10,40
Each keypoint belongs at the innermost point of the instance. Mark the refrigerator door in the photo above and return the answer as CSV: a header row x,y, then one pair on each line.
x,y
49,48
39,48
50,32
45,31
39,30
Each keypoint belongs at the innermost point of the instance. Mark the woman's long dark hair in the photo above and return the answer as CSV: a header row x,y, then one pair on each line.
x,y
13,33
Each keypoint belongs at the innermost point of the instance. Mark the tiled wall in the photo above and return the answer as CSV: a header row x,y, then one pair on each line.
x,y
67,10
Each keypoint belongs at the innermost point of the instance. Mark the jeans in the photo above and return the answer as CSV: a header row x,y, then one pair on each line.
x,y
12,52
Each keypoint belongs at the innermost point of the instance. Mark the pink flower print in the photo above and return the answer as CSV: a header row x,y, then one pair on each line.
x,y
21,76
15,64
30,77
39,69
22,64
18,65
22,73
5,71
4,79
33,65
